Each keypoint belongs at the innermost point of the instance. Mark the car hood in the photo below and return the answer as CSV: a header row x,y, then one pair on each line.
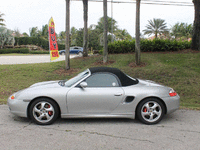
x,y
46,84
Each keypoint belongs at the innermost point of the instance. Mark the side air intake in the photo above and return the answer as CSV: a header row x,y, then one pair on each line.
x,y
129,99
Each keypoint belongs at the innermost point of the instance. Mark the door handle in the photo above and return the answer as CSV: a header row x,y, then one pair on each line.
x,y
118,94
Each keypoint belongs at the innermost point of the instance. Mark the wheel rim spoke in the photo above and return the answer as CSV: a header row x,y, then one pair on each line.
x,y
47,116
154,106
151,116
41,117
42,105
36,110
157,112
147,106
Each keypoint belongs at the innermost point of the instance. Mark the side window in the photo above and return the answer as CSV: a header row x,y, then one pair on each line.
x,y
102,80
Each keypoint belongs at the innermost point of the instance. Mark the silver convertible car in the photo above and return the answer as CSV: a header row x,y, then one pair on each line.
x,y
96,92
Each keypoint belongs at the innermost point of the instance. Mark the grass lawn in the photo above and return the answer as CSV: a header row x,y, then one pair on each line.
x,y
180,71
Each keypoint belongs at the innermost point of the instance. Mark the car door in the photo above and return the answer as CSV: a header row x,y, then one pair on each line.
x,y
102,95
74,50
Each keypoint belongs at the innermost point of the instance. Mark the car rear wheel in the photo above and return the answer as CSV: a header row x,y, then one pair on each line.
x,y
63,53
150,111
43,111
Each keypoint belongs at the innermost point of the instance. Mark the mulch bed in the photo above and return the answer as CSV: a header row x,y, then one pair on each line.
x,y
133,65
100,62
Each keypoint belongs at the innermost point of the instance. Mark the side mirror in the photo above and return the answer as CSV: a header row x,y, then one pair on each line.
x,y
83,84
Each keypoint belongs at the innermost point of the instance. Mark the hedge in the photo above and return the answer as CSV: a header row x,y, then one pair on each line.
x,y
156,45
35,41
39,52
17,50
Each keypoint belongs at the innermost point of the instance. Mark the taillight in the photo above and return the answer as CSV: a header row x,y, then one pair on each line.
x,y
172,93
12,97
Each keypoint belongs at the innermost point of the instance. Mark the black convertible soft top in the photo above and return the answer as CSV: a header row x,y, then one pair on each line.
x,y
124,79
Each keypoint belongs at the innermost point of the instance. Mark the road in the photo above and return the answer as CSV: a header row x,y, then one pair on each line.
x,y
178,131
29,59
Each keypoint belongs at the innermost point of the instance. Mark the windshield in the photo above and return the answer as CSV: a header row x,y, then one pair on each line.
x,y
77,78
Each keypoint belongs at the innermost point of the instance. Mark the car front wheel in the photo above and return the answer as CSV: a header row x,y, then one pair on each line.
x,y
80,54
43,111
150,111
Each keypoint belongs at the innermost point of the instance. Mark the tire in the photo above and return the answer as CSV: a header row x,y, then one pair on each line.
x,y
80,54
63,53
150,111
43,111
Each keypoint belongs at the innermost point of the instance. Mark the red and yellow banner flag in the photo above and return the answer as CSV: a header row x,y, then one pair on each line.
x,y
53,46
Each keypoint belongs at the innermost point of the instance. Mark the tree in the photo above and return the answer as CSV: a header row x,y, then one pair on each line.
x,y
1,19
110,21
182,30
6,37
79,37
85,37
175,30
73,32
156,26
94,39
25,34
105,21
61,37
44,32
17,32
67,45
137,34
33,31
122,34
196,30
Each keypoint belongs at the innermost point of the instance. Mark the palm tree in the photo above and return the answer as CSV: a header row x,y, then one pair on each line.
x,y
110,21
187,30
1,19
105,22
44,31
33,31
156,26
73,32
67,59
85,37
182,30
123,34
196,30
175,30
137,34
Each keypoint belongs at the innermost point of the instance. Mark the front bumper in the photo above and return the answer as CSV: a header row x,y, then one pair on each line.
x,y
18,107
172,103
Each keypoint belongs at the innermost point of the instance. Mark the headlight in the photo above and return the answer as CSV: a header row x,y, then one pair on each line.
x,y
172,93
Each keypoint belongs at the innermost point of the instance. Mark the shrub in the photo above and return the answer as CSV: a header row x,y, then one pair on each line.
x,y
19,50
156,45
35,41
39,52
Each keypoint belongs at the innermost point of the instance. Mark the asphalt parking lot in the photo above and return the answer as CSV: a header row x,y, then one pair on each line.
x,y
29,59
177,131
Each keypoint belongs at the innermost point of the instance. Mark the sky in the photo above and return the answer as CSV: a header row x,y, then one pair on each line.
x,y
24,14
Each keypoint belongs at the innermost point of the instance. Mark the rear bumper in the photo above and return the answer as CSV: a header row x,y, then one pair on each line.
x,y
172,103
